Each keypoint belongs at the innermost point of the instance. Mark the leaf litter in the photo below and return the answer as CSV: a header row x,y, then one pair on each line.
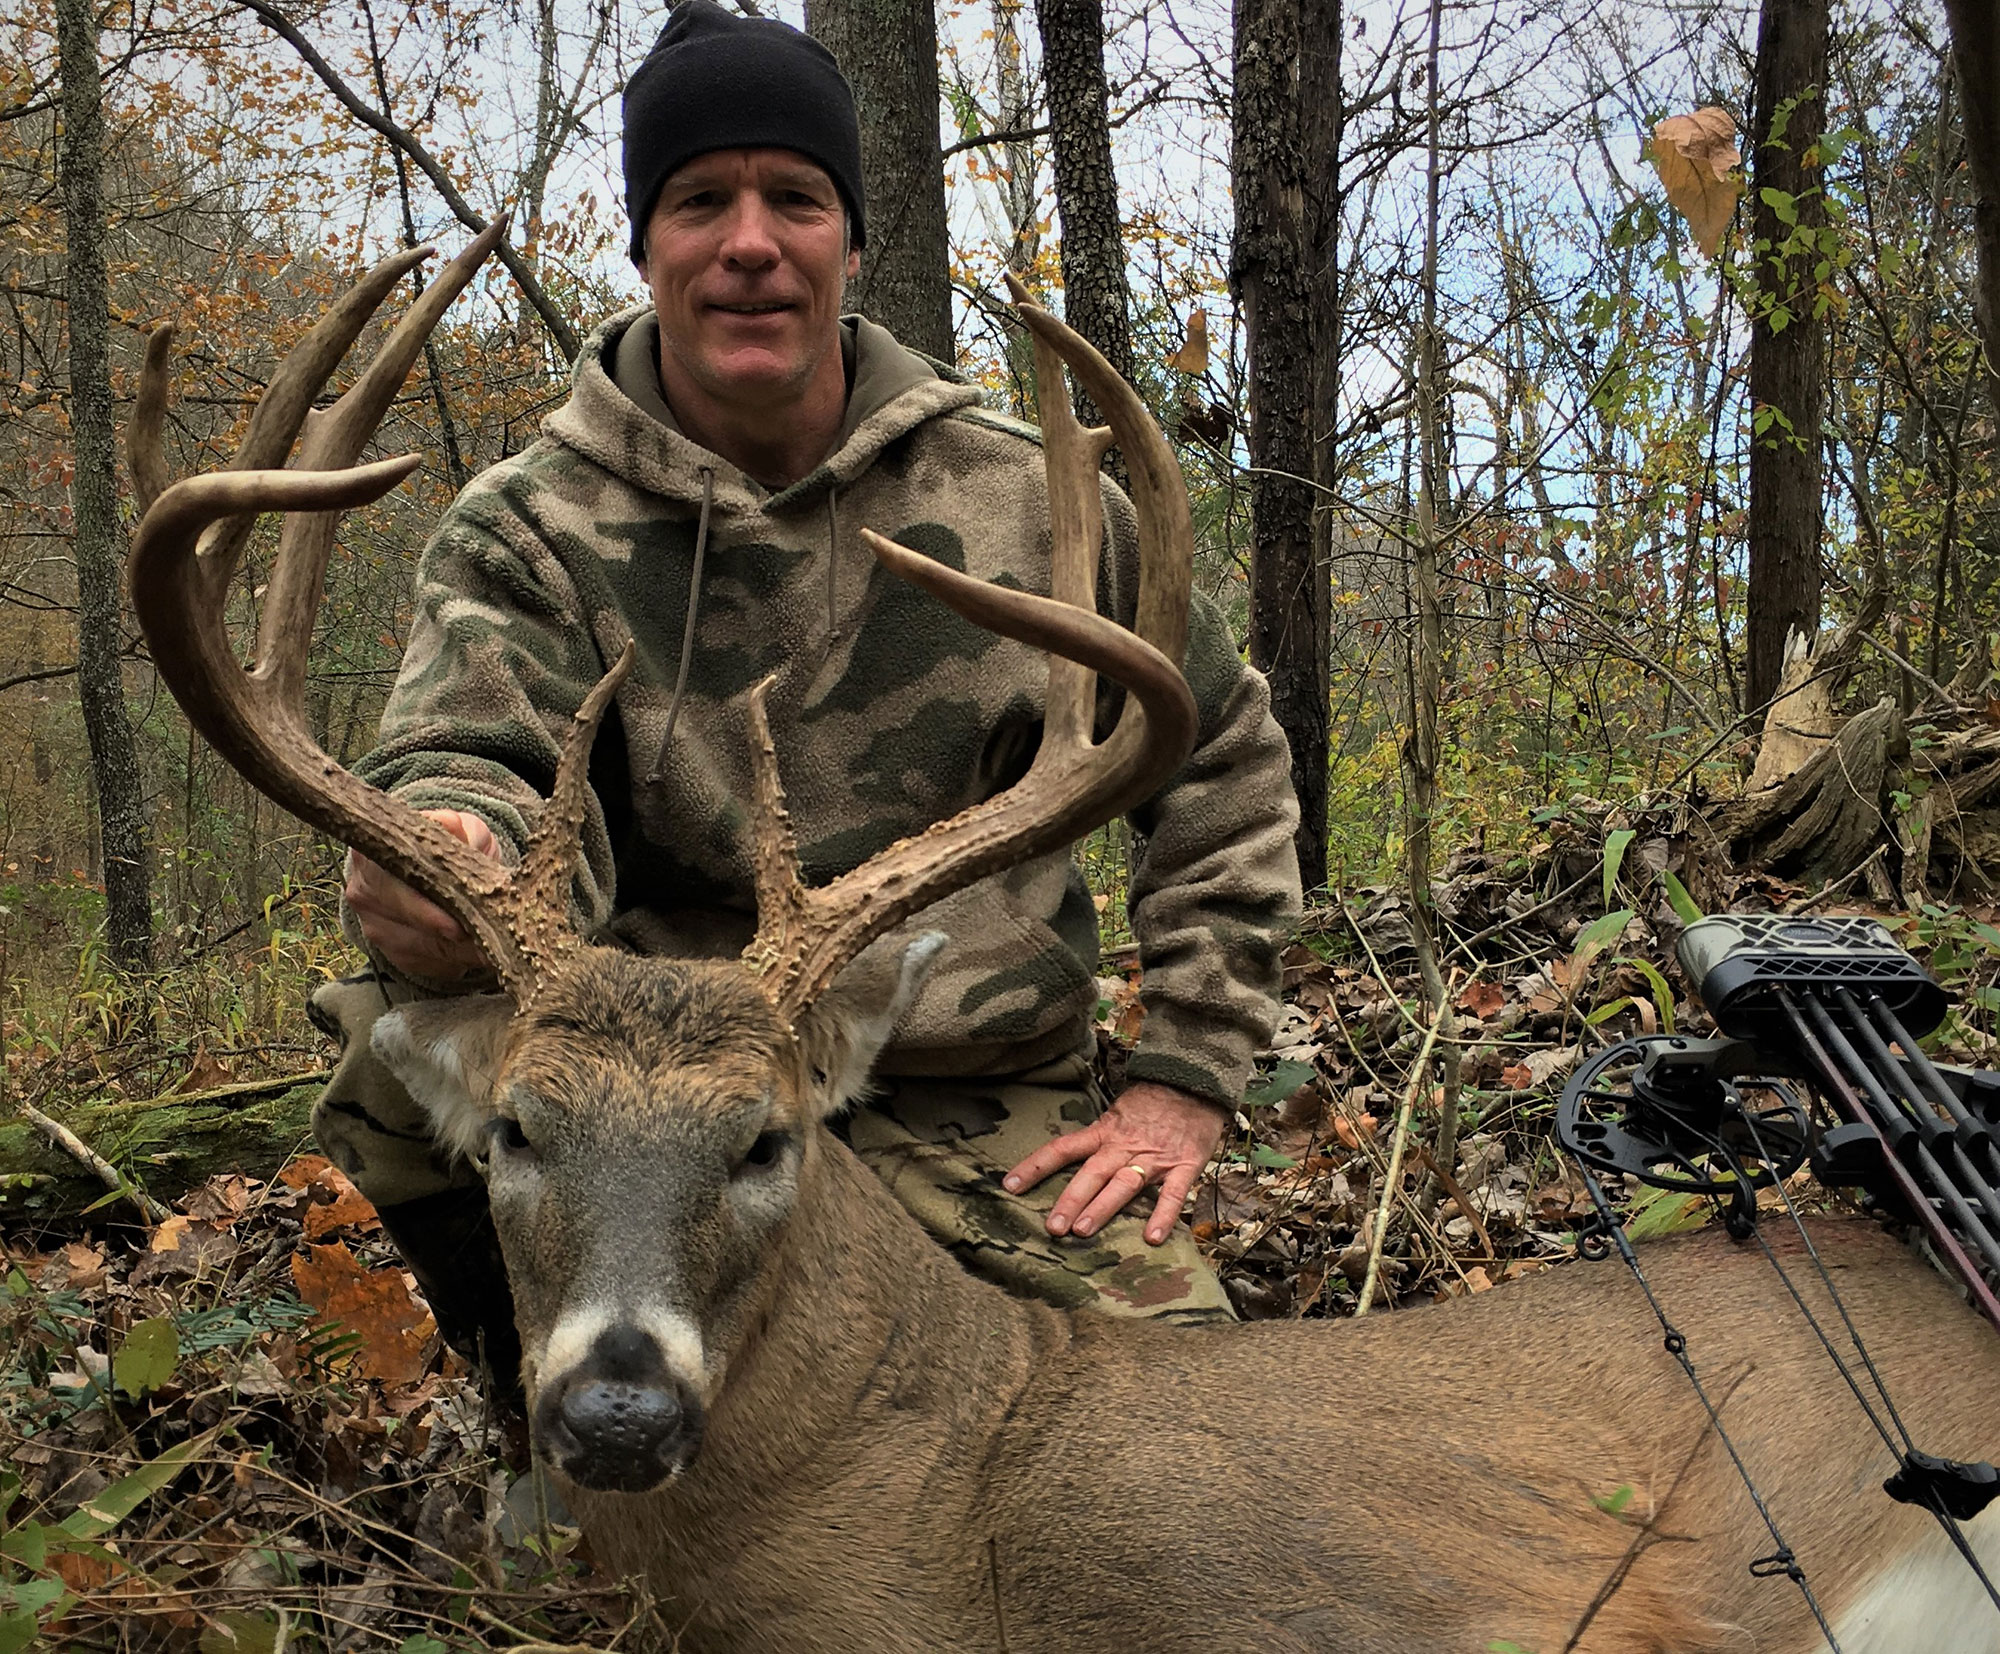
x,y
239,1432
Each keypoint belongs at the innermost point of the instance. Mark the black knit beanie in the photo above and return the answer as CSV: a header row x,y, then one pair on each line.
x,y
714,80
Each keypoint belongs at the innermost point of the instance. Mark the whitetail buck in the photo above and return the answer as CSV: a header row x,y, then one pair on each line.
x,y
762,1387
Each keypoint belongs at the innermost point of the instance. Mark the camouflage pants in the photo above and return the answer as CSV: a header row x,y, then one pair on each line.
x,y
941,1147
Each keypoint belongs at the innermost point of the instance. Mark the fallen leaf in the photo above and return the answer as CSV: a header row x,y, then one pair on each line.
x,y
304,1171
1354,1132
375,1305
222,1199
350,1210
204,1073
84,1265
168,1237
1697,160
1517,1076
182,1248
1483,999
336,1203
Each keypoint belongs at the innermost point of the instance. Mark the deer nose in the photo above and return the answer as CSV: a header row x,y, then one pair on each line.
x,y
621,1419
619,1422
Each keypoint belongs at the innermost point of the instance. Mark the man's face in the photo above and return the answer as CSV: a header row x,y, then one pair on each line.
x,y
746,257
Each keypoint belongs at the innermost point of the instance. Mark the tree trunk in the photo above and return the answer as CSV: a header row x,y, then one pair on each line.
x,y
99,543
1290,597
1975,48
1424,680
889,50
1322,131
1093,252
1787,341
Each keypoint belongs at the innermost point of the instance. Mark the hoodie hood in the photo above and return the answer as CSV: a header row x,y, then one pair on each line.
x,y
617,416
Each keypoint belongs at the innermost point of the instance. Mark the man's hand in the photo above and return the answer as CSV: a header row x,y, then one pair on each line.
x,y
1153,1133
413,933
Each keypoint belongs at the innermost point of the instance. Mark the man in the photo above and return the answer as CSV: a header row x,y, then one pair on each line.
x,y
700,493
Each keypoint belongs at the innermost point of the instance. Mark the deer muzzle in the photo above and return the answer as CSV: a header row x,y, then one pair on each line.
x,y
619,1421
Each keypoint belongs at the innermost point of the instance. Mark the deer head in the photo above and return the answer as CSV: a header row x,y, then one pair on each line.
x,y
646,1126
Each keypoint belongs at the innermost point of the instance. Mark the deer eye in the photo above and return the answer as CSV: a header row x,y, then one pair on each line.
x,y
505,1136
766,1149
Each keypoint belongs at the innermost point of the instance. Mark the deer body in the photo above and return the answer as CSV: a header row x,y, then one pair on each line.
x,y
886,1442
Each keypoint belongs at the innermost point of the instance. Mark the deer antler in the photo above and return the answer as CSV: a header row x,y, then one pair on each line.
x,y
804,936
184,557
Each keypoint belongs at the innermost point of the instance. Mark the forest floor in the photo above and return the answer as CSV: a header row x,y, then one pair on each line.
x,y
235,1431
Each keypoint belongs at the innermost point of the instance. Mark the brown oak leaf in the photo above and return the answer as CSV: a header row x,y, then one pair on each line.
x,y
374,1304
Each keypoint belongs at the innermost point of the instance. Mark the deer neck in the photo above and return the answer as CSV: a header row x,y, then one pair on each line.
x,y
872,1330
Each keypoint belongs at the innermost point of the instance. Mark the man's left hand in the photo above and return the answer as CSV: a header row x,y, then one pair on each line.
x,y
1152,1134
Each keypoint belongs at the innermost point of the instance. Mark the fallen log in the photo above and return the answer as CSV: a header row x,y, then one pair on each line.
x,y
168,1145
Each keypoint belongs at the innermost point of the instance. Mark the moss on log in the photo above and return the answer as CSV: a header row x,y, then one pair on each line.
x,y
168,1144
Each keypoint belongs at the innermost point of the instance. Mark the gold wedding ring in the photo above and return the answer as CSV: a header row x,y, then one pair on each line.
x,y
1144,1175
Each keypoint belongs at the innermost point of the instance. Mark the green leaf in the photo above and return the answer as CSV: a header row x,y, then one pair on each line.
x,y
1286,1078
1663,996
1683,903
1661,1212
1613,1504
1604,1013
28,1545
1785,206
420,1644
39,1596
1615,846
241,1632
146,1359
1262,1154
17,1629
97,1517
1600,933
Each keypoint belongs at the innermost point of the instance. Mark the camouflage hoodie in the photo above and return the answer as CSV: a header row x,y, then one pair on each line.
x,y
889,712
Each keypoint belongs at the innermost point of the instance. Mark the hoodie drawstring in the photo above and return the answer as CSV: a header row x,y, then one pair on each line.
x,y
832,564
687,631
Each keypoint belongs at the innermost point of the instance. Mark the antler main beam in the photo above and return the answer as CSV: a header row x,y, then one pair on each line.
x,y
805,937
184,558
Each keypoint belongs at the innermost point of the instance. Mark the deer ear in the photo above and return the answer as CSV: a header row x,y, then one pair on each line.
x,y
447,1054
843,1031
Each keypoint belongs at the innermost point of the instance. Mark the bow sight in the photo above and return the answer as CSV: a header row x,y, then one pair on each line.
x,y
1808,1009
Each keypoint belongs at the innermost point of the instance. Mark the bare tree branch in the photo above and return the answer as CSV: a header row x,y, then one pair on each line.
x,y
561,330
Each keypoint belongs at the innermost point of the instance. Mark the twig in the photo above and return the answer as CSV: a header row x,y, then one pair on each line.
x,y
1512,920
1459,1199
1875,643
528,1644
1844,882
1417,1078
85,1156
243,1089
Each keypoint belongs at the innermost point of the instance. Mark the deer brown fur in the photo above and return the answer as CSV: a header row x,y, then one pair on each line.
x,y
896,1456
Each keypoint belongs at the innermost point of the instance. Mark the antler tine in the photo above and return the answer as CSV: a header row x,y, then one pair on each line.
x,y
180,570
282,409
805,937
333,441
1071,456
145,449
